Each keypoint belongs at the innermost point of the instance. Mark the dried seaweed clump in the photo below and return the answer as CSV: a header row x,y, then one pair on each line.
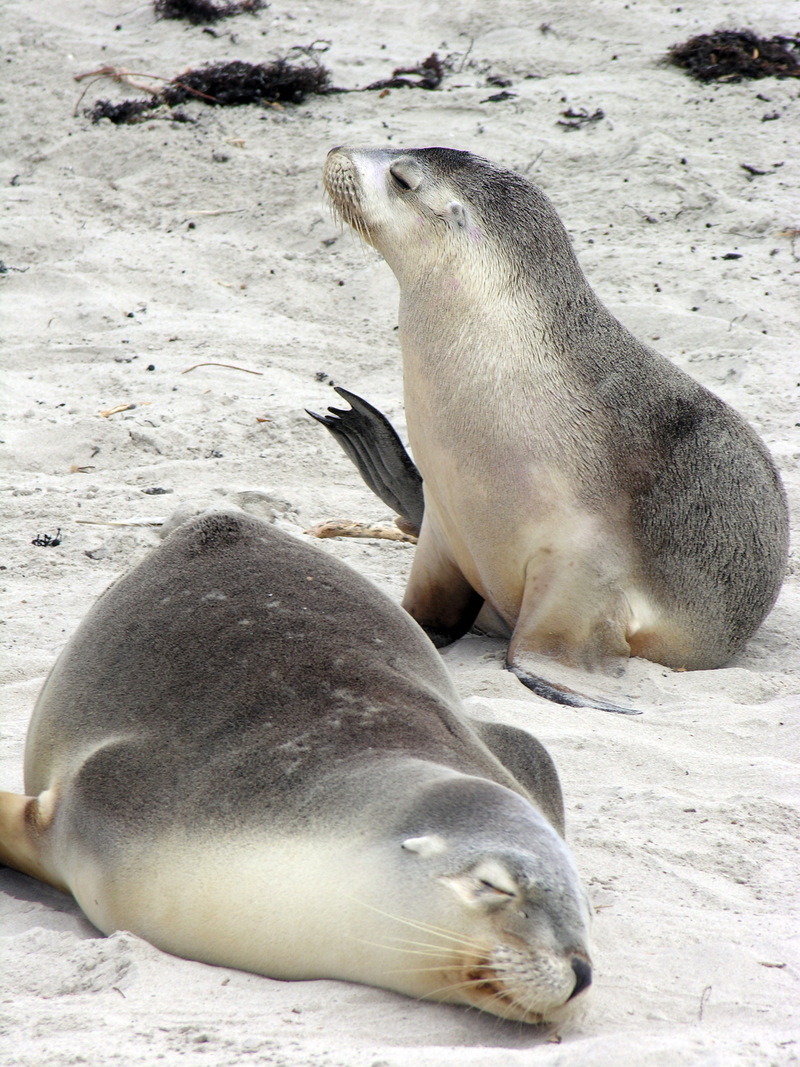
x,y
199,11
223,85
429,74
731,55
128,111
237,82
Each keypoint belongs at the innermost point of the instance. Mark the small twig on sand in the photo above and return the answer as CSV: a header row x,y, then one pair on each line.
x,y
119,75
123,407
792,234
465,57
220,211
346,528
703,1001
121,522
230,366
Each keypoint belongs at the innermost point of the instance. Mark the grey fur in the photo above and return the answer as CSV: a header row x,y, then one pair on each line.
x,y
529,762
243,731
230,641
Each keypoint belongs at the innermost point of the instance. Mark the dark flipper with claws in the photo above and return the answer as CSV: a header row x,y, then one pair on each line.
x,y
562,694
372,444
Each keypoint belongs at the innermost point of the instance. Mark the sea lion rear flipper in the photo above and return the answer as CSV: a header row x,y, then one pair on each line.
x,y
370,442
23,821
529,762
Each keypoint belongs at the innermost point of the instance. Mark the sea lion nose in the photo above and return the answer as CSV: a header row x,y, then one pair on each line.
x,y
583,976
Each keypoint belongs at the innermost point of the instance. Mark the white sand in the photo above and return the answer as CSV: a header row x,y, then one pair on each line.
x,y
139,249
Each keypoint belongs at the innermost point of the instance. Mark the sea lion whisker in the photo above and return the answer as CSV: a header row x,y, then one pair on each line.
x,y
504,997
396,944
450,935
417,970
422,948
428,928
405,951
468,983
451,987
462,940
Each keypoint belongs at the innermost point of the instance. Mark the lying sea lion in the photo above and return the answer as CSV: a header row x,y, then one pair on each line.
x,y
249,756
601,501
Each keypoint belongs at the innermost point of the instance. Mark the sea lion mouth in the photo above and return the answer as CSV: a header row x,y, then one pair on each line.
x,y
487,991
486,983
536,994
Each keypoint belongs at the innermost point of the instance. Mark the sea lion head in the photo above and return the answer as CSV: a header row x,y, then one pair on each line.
x,y
426,209
506,920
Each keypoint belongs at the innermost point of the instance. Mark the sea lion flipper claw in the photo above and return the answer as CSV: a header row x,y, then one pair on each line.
x,y
351,446
562,694
372,444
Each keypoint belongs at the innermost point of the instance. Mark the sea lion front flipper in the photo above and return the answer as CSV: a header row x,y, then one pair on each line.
x,y
371,442
562,694
564,619
529,762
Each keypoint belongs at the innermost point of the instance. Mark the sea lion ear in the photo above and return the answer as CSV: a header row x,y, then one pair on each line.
x,y
457,214
430,845
488,884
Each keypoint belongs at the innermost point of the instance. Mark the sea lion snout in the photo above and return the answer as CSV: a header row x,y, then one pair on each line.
x,y
583,976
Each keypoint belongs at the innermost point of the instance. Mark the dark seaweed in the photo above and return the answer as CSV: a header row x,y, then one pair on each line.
x,y
576,120
429,74
199,11
46,541
731,55
128,111
237,82
223,85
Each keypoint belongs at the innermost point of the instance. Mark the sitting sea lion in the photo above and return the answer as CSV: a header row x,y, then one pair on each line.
x,y
249,756
602,502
